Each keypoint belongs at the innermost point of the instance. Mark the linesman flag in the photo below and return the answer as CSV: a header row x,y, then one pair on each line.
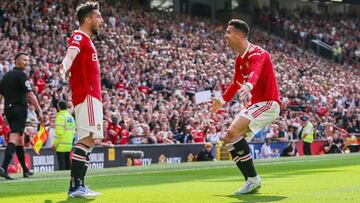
x,y
39,140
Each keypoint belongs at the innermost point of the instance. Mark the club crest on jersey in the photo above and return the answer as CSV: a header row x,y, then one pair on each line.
x,y
77,37
98,126
94,57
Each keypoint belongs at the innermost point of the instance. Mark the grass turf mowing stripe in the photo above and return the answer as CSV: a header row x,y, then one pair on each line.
x,y
283,181
160,168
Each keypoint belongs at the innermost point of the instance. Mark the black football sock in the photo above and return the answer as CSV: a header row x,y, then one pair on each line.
x,y
77,165
83,173
9,151
236,159
21,156
242,148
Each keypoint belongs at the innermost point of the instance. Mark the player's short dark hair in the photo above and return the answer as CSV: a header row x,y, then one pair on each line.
x,y
240,25
62,105
84,9
20,54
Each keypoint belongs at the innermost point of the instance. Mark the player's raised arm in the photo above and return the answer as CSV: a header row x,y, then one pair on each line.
x,y
67,61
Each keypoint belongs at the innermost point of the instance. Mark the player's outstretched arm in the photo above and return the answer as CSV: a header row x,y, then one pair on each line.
x,y
67,62
217,103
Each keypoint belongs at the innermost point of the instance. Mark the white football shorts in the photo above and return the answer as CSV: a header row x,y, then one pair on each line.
x,y
89,118
260,115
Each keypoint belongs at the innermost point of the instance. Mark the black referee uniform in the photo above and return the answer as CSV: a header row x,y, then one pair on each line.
x,y
14,87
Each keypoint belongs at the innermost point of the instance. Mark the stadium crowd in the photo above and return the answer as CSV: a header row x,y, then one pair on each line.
x,y
154,62
336,29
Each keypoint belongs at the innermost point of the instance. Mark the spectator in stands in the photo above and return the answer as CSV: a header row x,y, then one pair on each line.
x,y
213,136
330,147
137,74
266,151
124,137
197,134
206,154
51,133
307,134
135,137
290,150
114,129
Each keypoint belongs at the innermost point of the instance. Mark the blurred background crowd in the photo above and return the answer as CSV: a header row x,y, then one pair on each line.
x,y
154,62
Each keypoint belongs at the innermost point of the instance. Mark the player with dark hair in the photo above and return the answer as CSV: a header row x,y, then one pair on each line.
x,y
17,91
82,66
254,79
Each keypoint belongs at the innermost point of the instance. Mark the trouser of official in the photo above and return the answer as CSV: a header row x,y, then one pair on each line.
x,y
307,148
63,160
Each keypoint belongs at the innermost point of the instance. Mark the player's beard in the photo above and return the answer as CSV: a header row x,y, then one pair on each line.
x,y
95,30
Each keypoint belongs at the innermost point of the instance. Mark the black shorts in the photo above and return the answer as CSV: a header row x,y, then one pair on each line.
x,y
16,116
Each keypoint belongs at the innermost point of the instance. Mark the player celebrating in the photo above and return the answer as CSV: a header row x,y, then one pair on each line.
x,y
254,77
81,64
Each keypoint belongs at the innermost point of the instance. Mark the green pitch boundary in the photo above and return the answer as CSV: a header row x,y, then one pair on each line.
x,y
163,168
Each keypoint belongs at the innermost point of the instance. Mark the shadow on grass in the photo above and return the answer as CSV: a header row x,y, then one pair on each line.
x,y
79,200
254,198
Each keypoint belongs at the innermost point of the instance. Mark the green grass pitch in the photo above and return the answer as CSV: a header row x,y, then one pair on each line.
x,y
332,178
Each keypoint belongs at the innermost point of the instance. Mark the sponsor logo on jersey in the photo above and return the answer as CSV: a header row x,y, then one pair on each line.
x,y
98,126
75,42
77,37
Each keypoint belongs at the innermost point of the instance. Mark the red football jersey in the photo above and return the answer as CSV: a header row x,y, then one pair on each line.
x,y
199,135
255,67
124,136
85,70
114,133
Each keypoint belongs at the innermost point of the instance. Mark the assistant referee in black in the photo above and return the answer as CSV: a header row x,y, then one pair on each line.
x,y
16,90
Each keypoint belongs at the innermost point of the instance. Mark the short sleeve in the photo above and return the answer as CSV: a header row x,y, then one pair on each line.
x,y
75,42
25,83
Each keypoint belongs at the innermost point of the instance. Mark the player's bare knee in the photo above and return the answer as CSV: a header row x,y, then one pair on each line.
x,y
226,140
233,135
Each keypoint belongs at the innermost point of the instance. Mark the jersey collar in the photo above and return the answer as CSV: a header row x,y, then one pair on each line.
x,y
247,49
82,33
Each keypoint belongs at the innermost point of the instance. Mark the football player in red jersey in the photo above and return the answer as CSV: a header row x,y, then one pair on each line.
x,y
254,78
82,66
